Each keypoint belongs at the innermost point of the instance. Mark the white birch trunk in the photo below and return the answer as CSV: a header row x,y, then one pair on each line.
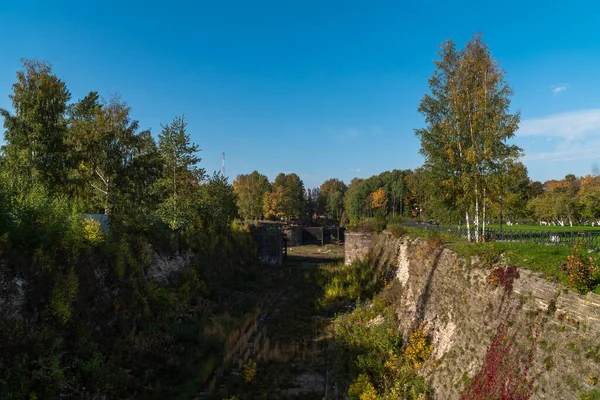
x,y
468,227
476,217
483,228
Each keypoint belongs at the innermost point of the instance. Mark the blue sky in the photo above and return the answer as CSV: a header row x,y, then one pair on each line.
x,y
321,88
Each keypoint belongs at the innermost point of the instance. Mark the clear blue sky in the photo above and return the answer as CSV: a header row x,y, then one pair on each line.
x,y
321,88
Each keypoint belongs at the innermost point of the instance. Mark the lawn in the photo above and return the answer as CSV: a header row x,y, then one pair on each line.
x,y
547,259
532,227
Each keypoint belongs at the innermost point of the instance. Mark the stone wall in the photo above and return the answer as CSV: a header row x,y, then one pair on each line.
x,y
358,245
270,247
294,235
554,331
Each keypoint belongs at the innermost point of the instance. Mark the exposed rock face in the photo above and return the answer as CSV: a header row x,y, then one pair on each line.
x,y
558,328
162,267
12,293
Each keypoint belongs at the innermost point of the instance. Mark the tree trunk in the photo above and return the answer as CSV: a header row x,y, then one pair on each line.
x,y
468,227
476,217
401,204
483,215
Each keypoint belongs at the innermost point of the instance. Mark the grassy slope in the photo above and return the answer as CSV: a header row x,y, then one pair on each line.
x,y
546,259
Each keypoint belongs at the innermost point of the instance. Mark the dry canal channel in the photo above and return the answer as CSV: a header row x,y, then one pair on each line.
x,y
284,354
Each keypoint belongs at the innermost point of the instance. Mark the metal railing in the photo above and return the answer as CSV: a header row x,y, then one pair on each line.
x,y
582,238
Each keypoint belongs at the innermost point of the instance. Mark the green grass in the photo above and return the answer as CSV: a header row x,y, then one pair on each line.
x,y
533,227
546,259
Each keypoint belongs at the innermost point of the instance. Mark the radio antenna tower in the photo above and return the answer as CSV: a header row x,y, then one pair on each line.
x,y
223,165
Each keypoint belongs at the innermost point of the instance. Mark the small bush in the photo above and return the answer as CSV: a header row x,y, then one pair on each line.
x,y
581,271
92,232
434,240
397,230
590,395
370,225
362,389
250,371
490,256
419,347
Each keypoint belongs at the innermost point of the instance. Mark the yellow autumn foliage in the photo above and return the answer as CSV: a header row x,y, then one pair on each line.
x,y
418,349
362,389
380,199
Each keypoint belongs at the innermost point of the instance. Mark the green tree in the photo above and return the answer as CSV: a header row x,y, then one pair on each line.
x,y
442,144
250,190
180,175
288,200
331,198
515,191
218,202
356,200
468,124
116,164
35,150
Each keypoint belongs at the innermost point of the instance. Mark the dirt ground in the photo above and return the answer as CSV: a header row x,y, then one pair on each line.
x,y
316,254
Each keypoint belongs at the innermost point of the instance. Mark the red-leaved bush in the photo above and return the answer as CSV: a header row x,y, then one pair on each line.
x,y
504,374
504,277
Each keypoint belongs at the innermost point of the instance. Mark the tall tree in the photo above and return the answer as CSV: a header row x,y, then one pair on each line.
x,y
468,124
513,194
287,198
218,201
331,198
114,161
250,190
481,99
35,150
442,144
181,176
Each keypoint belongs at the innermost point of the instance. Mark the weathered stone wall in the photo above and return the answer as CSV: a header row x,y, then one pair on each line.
x,y
358,245
294,235
270,247
463,313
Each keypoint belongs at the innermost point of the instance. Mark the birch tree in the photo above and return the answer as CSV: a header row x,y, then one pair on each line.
x,y
480,99
467,125
442,143
107,148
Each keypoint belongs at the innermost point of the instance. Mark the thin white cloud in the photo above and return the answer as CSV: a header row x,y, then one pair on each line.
x,y
569,126
354,169
568,151
556,89
573,136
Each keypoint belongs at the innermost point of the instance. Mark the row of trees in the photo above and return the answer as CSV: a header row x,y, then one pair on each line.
x,y
92,152
415,194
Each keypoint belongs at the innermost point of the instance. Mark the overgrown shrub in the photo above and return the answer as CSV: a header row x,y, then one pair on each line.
x,y
581,270
397,230
368,347
490,255
419,347
362,389
433,239
593,394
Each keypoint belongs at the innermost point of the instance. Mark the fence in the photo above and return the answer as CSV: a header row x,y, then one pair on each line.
x,y
586,239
